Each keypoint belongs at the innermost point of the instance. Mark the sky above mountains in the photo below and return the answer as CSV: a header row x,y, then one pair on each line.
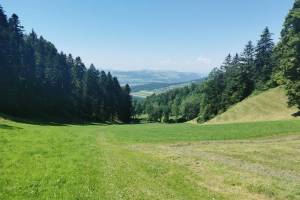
x,y
191,35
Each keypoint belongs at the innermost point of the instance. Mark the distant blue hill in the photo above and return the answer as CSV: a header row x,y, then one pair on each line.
x,y
158,86
142,77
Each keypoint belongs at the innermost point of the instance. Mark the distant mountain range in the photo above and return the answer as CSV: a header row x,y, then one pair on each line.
x,y
142,77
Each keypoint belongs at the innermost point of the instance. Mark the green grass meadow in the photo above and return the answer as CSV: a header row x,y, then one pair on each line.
x,y
259,160
269,105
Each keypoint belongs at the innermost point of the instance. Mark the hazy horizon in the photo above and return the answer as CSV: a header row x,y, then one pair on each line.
x,y
189,36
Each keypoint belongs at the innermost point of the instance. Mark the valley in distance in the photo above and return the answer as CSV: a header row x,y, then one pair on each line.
x,y
69,130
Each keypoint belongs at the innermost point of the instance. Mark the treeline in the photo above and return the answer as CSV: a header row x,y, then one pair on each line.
x,y
181,103
257,68
232,82
36,79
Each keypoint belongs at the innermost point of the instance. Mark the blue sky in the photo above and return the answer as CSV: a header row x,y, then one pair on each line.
x,y
180,35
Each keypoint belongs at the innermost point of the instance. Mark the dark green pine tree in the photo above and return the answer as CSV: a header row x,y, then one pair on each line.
x,y
117,95
29,82
110,103
288,54
235,59
104,104
4,60
248,55
227,63
3,36
212,95
264,59
247,70
125,105
92,90
16,70
233,89
3,18
64,85
16,40
78,73
72,103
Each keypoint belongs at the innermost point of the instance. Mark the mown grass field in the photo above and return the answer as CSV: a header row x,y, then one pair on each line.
x,y
266,106
258,160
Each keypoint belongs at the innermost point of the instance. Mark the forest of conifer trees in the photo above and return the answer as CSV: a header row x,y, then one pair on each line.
x,y
37,80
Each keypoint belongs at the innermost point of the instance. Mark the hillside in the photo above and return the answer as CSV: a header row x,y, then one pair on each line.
x,y
266,106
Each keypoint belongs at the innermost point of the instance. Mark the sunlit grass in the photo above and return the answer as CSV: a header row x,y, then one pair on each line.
x,y
150,161
265,106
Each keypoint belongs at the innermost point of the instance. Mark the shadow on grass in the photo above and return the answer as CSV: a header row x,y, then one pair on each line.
x,y
296,114
8,127
49,121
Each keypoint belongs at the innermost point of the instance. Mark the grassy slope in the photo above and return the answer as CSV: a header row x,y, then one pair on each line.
x,y
151,161
267,106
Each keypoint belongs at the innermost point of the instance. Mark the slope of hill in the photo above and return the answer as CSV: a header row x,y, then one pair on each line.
x,y
266,106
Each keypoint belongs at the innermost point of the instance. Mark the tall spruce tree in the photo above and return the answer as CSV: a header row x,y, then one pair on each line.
x,y
4,60
288,54
248,68
227,63
16,40
16,70
264,59
248,55
125,105
92,90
